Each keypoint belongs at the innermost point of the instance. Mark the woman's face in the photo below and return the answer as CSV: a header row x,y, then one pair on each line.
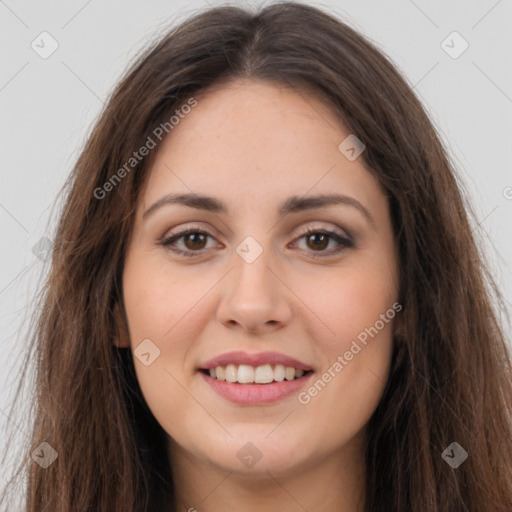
x,y
253,293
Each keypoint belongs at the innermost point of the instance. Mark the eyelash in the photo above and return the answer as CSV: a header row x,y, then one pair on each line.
x,y
345,243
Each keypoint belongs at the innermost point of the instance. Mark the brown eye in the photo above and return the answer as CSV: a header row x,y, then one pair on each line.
x,y
196,241
319,241
193,241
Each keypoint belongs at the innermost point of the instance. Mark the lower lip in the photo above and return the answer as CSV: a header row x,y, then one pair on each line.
x,y
256,394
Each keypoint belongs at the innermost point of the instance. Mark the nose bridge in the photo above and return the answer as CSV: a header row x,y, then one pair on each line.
x,y
253,274
253,296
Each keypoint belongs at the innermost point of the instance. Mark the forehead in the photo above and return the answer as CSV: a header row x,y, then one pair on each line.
x,y
252,142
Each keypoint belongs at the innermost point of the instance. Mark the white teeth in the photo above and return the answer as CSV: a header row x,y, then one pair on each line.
x,y
220,373
279,372
264,374
247,374
231,373
289,373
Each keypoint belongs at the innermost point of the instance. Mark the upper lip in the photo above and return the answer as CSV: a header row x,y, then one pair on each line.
x,y
239,357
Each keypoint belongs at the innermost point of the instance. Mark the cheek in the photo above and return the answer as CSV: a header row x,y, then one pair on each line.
x,y
161,299
347,390
163,308
357,306
343,303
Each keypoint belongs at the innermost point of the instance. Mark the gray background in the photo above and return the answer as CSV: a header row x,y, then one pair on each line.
x,y
48,106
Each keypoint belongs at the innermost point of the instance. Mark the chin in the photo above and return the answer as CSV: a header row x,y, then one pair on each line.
x,y
257,456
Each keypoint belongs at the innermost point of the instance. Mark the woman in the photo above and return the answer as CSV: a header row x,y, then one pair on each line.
x,y
265,292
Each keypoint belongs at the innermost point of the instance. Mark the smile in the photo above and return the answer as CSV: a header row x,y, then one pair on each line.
x,y
255,379
247,374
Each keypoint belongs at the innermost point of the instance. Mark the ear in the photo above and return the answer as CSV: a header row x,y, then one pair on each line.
x,y
122,338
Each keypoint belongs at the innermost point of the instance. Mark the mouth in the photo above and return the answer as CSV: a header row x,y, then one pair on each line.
x,y
255,379
248,374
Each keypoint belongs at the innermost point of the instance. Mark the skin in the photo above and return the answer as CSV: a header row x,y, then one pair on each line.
x,y
253,144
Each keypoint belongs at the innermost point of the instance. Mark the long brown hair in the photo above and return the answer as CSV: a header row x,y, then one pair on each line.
x,y
451,372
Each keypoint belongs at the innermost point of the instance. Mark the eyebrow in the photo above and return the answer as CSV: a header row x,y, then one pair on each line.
x,y
293,204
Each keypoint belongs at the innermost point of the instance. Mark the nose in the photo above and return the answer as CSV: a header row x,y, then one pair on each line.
x,y
255,297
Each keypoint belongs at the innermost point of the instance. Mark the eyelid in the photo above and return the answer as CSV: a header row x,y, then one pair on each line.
x,y
305,230
342,233
179,231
